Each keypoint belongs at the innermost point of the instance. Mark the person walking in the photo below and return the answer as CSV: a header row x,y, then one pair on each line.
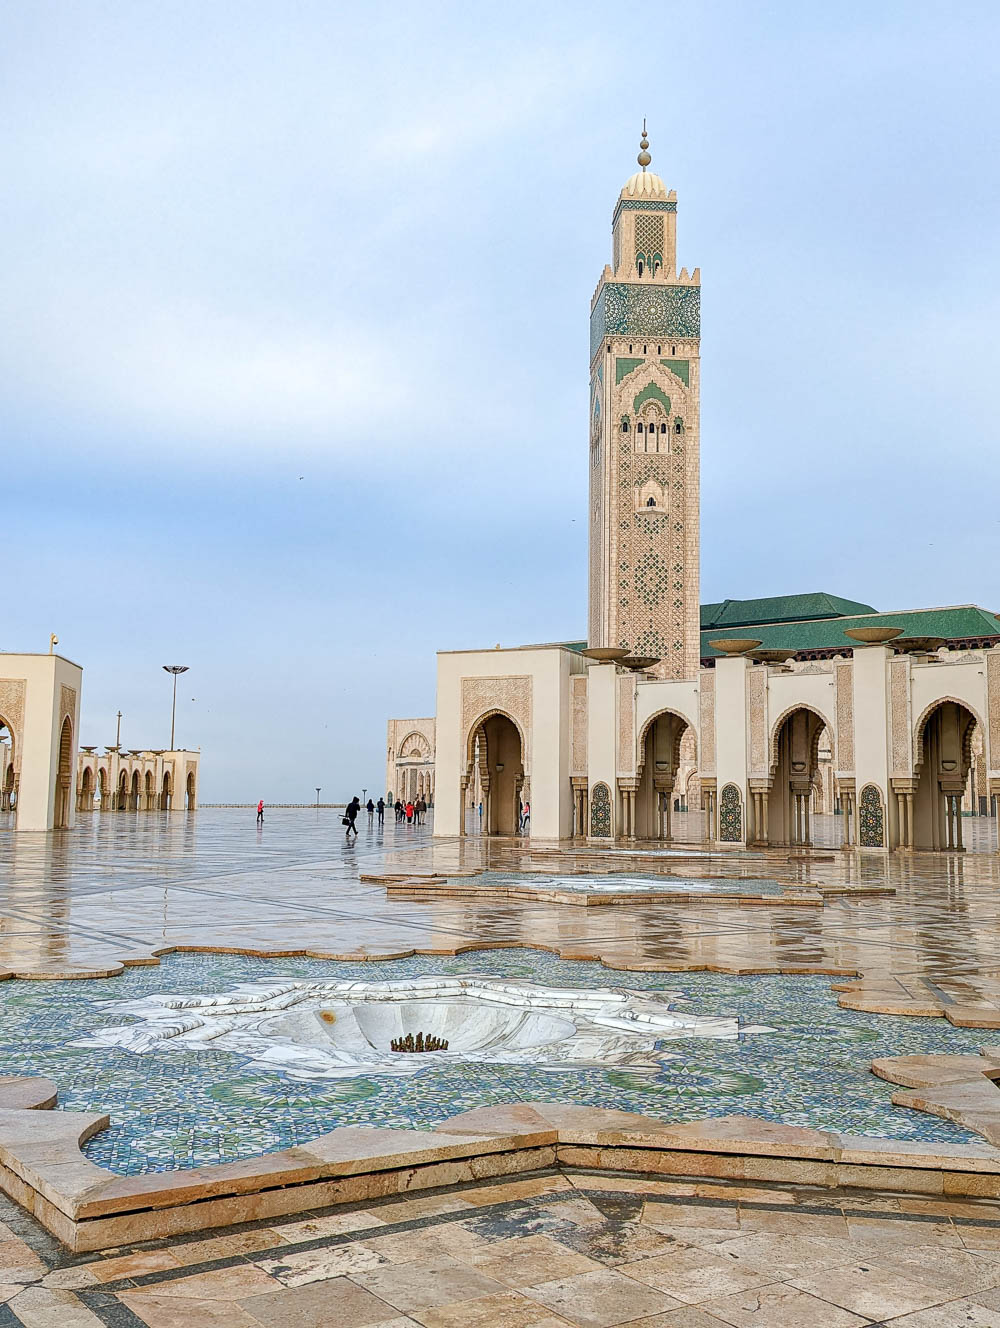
x,y
351,815
409,813
422,809
370,809
525,817
260,812
399,810
380,808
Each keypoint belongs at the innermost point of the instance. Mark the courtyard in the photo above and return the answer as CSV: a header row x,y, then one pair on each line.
x,y
720,1009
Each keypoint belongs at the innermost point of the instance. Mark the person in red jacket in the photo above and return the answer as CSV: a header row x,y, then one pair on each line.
x,y
409,813
260,812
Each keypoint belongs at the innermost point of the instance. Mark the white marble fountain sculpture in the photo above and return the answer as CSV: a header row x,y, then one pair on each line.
x,y
332,1030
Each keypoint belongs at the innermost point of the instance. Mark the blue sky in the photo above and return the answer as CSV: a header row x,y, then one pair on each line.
x,y
293,335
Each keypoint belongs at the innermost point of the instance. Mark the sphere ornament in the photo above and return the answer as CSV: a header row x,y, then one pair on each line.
x,y
644,158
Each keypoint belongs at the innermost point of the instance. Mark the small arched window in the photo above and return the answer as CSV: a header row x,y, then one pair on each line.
x,y
656,268
673,350
663,428
624,426
678,427
650,502
640,267
638,428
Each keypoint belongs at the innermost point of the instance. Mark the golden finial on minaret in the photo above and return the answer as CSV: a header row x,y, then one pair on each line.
x,y
644,158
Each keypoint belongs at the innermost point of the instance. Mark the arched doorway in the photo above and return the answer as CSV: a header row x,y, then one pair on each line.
x,y
496,743
190,791
646,812
8,796
103,789
932,815
86,799
165,792
134,799
64,776
149,792
783,813
121,801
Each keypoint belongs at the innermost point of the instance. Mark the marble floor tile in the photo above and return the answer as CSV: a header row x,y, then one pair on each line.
x,y
169,1312
522,1261
340,1302
780,1307
695,1275
509,1310
231,1283
869,1290
40,1307
600,1299
779,1253
410,1287
298,1268
954,1314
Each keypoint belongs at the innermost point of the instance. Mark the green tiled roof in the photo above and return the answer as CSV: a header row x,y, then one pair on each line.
x,y
779,609
962,622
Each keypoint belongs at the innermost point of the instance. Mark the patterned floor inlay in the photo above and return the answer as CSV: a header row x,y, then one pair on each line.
x,y
179,1103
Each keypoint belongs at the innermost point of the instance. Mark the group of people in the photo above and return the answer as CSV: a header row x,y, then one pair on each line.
x,y
411,812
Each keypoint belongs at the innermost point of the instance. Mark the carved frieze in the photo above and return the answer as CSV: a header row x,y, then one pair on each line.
x,y
899,708
67,704
578,704
707,708
626,724
993,706
757,708
12,711
844,675
509,695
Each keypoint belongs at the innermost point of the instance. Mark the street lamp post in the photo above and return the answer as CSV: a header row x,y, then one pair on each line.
x,y
363,792
317,796
175,669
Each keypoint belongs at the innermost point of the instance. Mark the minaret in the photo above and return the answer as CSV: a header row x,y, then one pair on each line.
x,y
645,328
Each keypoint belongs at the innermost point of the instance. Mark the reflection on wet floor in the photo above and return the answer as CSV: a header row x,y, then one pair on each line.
x,y
122,888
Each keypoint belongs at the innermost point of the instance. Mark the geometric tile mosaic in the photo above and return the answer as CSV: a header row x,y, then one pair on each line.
x,y
184,1109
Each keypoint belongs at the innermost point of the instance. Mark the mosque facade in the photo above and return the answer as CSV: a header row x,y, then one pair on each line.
x,y
741,708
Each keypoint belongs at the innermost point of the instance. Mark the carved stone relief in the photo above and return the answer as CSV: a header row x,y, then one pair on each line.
x,y
899,708
757,708
626,724
12,711
67,704
993,706
510,694
578,703
707,707
844,674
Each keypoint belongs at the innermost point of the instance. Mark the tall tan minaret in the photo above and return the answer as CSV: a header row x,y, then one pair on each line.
x,y
645,330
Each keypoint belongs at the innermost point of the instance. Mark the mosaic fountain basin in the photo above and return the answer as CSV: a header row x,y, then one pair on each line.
x,y
329,1030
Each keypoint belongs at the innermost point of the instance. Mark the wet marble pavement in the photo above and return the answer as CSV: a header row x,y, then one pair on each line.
x,y
120,889
542,1251
568,1247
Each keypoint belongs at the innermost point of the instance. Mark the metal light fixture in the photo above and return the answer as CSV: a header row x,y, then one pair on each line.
x,y
175,669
